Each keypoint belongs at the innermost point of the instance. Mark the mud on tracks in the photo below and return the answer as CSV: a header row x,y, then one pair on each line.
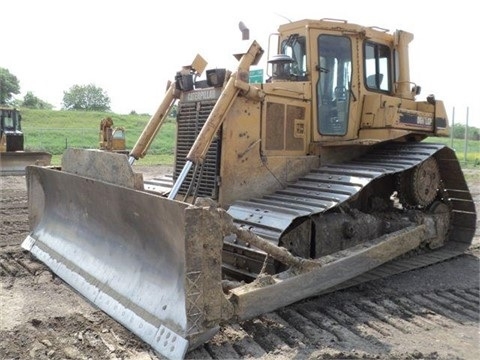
x,y
429,313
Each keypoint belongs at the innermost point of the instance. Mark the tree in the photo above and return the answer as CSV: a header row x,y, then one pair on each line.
x,y
9,85
458,131
86,97
32,102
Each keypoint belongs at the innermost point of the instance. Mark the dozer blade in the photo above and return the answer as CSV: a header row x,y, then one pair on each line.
x,y
148,262
14,163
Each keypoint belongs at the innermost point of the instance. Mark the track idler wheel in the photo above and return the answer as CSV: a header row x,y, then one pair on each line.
x,y
418,187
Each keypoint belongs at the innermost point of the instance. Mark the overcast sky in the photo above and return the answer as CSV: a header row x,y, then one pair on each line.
x,y
132,48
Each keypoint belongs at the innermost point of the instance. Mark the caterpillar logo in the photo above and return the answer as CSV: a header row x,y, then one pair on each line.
x,y
416,119
202,95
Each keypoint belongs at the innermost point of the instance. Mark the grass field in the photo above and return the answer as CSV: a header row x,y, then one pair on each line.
x,y
54,131
468,154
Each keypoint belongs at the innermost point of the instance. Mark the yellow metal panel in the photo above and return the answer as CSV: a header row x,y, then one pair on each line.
x,y
246,169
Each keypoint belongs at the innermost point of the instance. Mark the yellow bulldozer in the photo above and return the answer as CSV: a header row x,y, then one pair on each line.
x,y
13,157
111,138
282,190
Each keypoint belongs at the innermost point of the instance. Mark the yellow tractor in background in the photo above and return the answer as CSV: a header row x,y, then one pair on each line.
x,y
111,138
282,190
13,157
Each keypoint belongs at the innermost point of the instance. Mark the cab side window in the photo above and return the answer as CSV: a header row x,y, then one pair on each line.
x,y
295,47
377,65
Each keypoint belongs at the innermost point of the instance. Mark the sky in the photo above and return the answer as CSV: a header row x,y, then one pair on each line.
x,y
131,49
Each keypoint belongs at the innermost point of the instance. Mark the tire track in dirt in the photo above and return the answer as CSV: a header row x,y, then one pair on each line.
x,y
13,216
19,264
97,335
365,325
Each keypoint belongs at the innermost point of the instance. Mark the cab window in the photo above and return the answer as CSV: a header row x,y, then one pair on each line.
x,y
295,47
377,67
334,83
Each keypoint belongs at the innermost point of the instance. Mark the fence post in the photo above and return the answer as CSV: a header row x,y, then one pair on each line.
x,y
466,137
452,128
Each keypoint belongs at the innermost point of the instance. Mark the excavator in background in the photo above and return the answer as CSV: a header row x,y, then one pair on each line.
x,y
13,157
112,138
313,180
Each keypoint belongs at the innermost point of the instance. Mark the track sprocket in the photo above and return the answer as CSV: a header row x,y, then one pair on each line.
x,y
418,187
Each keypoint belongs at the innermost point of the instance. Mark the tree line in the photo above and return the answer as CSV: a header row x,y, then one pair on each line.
x,y
458,132
78,97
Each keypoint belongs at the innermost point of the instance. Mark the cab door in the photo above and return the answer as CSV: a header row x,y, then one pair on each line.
x,y
333,84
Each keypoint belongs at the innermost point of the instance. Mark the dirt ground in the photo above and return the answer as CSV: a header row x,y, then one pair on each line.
x,y
428,313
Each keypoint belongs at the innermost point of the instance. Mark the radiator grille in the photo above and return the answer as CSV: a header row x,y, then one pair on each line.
x,y
191,117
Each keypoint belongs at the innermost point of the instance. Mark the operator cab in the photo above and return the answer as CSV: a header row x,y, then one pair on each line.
x,y
11,135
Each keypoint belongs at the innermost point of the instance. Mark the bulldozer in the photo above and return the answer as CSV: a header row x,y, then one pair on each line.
x,y
316,179
13,157
111,138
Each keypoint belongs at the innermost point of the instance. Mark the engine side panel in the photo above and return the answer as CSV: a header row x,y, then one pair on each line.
x,y
255,162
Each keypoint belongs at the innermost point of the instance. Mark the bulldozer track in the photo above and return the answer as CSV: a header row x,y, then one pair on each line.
x,y
330,186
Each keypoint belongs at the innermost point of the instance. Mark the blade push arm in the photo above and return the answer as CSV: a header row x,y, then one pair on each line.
x,y
153,125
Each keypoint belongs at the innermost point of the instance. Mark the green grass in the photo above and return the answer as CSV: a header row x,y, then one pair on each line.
x,y
53,131
468,157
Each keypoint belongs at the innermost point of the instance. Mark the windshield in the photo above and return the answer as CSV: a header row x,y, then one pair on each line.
x,y
10,120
